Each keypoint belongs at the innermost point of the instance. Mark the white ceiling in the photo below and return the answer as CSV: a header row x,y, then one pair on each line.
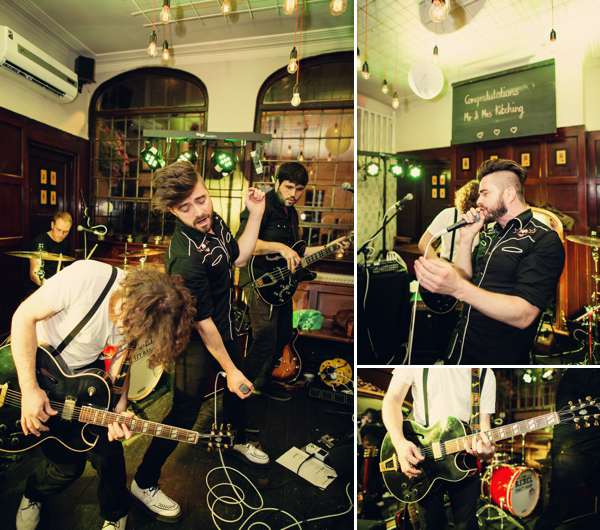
x,y
101,28
478,37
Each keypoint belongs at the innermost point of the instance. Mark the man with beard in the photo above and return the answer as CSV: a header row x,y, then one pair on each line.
x,y
508,280
202,251
272,325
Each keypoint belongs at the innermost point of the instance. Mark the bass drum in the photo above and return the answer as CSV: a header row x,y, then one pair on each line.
x,y
514,489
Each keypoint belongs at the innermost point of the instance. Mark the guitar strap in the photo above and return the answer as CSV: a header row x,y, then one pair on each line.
x,y
476,387
453,234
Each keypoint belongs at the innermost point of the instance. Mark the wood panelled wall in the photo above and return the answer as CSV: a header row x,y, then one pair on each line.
x,y
573,187
18,135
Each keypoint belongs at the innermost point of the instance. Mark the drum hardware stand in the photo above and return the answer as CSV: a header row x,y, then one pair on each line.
x,y
41,274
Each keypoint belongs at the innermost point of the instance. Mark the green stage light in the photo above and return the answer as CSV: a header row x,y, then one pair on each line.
x,y
396,170
152,157
188,156
415,172
373,169
223,162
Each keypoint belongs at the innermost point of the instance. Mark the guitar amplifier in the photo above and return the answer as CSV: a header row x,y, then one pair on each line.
x,y
377,267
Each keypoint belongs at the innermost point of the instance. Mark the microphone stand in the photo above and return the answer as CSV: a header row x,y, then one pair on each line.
x,y
363,249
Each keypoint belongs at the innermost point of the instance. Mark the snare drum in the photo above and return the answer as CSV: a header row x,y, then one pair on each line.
x,y
514,489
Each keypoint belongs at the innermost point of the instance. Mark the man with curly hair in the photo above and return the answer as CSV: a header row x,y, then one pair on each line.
x,y
141,305
202,251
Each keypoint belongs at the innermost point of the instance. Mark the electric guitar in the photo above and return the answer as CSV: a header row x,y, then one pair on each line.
x,y
82,401
289,365
274,282
443,446
438,303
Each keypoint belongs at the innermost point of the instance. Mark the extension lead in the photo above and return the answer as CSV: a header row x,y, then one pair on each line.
x,y
240,496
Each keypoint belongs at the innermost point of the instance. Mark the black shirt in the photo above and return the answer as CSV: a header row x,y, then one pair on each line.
x,y
205,263
575,384
55,248
524,259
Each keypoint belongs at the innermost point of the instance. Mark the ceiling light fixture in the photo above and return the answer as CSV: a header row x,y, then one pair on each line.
x,y
365,67
293,64
384,87
436,55
296,93
395,102
165,14
337,7
226,7
553,44
152,48
358,61
289,6
165,53
296,97
439,10
365,70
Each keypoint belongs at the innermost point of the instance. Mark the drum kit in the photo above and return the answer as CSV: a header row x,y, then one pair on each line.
x,y
590,319
509,488
41,256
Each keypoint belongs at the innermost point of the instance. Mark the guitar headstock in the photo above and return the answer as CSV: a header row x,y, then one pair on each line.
x,y
221,438
582,414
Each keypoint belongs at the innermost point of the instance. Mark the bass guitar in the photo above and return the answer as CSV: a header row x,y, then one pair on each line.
x,y
289,365
443,446
274,282
82,401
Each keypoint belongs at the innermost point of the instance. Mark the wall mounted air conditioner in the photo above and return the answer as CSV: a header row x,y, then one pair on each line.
x,y
23,61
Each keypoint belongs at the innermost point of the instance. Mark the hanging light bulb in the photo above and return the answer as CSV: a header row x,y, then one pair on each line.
x,y
384,88
289,6
165,53
553,44
165,14
152,48
439,10
329,157
300,157
337,7
293,64
289,150
226,7
436,55
395,102
365,71
358,61
296,96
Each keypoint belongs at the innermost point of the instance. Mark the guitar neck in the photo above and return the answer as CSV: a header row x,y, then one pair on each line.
x,y
327,249
506,431
137,425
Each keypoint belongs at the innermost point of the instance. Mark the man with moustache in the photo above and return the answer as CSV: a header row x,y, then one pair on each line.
x,y
54,241
509,278
203,252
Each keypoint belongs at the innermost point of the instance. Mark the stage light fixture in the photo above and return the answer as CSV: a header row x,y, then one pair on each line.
x,y
223,162
396,169
528,376
414,171
372,169
190,155
152,157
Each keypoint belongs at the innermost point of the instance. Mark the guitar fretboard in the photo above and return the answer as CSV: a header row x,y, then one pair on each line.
x,y
328,249
137,425
504,432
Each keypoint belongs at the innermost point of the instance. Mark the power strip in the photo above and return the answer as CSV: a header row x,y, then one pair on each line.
x,y
328,395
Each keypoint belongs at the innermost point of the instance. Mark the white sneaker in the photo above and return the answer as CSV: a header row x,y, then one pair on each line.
x,y
28,515
156,503
115,525
250,454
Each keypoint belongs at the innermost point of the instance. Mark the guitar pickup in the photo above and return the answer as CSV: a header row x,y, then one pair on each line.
x,y
265,280
68,409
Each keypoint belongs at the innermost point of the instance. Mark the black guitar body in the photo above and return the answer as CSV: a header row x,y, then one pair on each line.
x,y
453,467
272,279
91,387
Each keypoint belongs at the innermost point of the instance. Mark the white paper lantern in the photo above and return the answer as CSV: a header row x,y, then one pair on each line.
x,y
426,79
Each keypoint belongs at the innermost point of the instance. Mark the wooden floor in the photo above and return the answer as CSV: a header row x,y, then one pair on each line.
x,y
297,422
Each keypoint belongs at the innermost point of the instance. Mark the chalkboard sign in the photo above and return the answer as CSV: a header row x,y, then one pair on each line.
x,y
508,104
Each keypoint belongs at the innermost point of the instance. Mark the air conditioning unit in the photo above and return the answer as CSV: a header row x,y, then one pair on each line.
x,y
20,59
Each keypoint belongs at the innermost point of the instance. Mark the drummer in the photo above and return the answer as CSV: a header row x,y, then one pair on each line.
x,y
54,241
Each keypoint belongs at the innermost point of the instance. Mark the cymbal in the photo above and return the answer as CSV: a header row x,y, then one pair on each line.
x,y
585,240
33,254
143,253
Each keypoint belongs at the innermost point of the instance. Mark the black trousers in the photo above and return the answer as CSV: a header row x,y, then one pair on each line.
x,y
62,467
568,471
192,373
271,331
463,501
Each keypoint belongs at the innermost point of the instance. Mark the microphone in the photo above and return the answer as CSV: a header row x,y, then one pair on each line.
x,y
84,229
400,204
346,186
459,224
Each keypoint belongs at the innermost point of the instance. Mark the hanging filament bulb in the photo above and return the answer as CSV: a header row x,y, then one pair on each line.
x,y
395,102
165,53
553,45
439,10
337,7
329,157
226,7
165,14
289,150
358,61
289,6
436,55
293,64
365,71
384,88
296,96
152,49
300,157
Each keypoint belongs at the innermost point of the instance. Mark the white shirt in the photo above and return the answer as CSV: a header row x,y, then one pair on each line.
x,y
71,293
442,220
448,392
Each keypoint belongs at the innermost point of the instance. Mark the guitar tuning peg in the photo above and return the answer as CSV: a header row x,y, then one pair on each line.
x,y
570,403
586,424
579,400
577,427
214,427
596,424
588,398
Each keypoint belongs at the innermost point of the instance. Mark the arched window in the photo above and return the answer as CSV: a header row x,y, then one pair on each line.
x,y
120,110
319,133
